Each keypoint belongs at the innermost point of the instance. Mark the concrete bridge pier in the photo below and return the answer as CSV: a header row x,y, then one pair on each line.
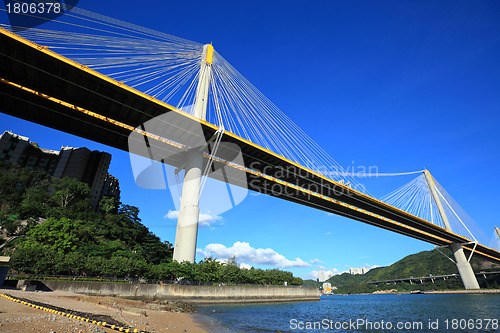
x,y
465,271
187,223
464,268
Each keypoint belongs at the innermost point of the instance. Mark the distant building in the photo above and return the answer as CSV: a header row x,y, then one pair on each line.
x,y
327,288
87,166
324,275
358,270
12,147
111,187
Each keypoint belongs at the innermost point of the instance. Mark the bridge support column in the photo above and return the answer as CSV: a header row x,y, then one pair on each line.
x,y
189,212
464,268
465,271
187,223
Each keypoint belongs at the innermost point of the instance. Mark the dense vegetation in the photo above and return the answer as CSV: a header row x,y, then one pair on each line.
x,y
421,264
48,227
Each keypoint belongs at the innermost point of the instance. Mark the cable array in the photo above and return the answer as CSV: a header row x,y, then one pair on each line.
x,y
167,68
245,111
416,198
157,64
461,222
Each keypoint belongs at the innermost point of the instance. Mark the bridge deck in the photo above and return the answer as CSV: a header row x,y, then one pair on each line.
x,y
41,86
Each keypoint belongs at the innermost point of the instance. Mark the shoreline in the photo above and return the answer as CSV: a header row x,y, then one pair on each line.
x,y
17,317
434,292
470,291
210,324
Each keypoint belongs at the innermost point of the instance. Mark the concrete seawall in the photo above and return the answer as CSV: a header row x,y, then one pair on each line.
x,y
189,294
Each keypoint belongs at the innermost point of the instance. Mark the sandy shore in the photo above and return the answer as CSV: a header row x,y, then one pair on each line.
x,y
16,317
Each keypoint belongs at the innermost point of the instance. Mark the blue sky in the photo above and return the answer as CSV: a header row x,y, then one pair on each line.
x,y
396,85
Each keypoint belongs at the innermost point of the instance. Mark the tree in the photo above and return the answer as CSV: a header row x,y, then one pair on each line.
x,y
68,191
57,235
108,204
176,270
154,251
231,272
11,224
14,182
36,260
34,202
207,270
254,276
129,212
73,263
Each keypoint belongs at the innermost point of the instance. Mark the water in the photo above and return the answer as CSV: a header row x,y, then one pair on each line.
x,y
373,313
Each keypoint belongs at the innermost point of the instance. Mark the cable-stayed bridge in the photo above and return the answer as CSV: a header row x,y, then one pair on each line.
x,y
103,79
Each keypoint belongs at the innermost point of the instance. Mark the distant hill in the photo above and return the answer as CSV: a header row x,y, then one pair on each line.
x,y
311,283
419,264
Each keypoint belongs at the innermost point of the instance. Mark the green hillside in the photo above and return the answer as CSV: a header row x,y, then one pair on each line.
x,y
48,227
419,264
416,265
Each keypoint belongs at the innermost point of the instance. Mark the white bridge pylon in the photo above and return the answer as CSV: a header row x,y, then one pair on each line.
x,y
465,271
189,212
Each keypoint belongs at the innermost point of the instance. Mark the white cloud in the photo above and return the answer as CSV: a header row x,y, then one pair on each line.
x,y
372,266
315,261
324,274
245,266
328,233
205,220
249,255
172,215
